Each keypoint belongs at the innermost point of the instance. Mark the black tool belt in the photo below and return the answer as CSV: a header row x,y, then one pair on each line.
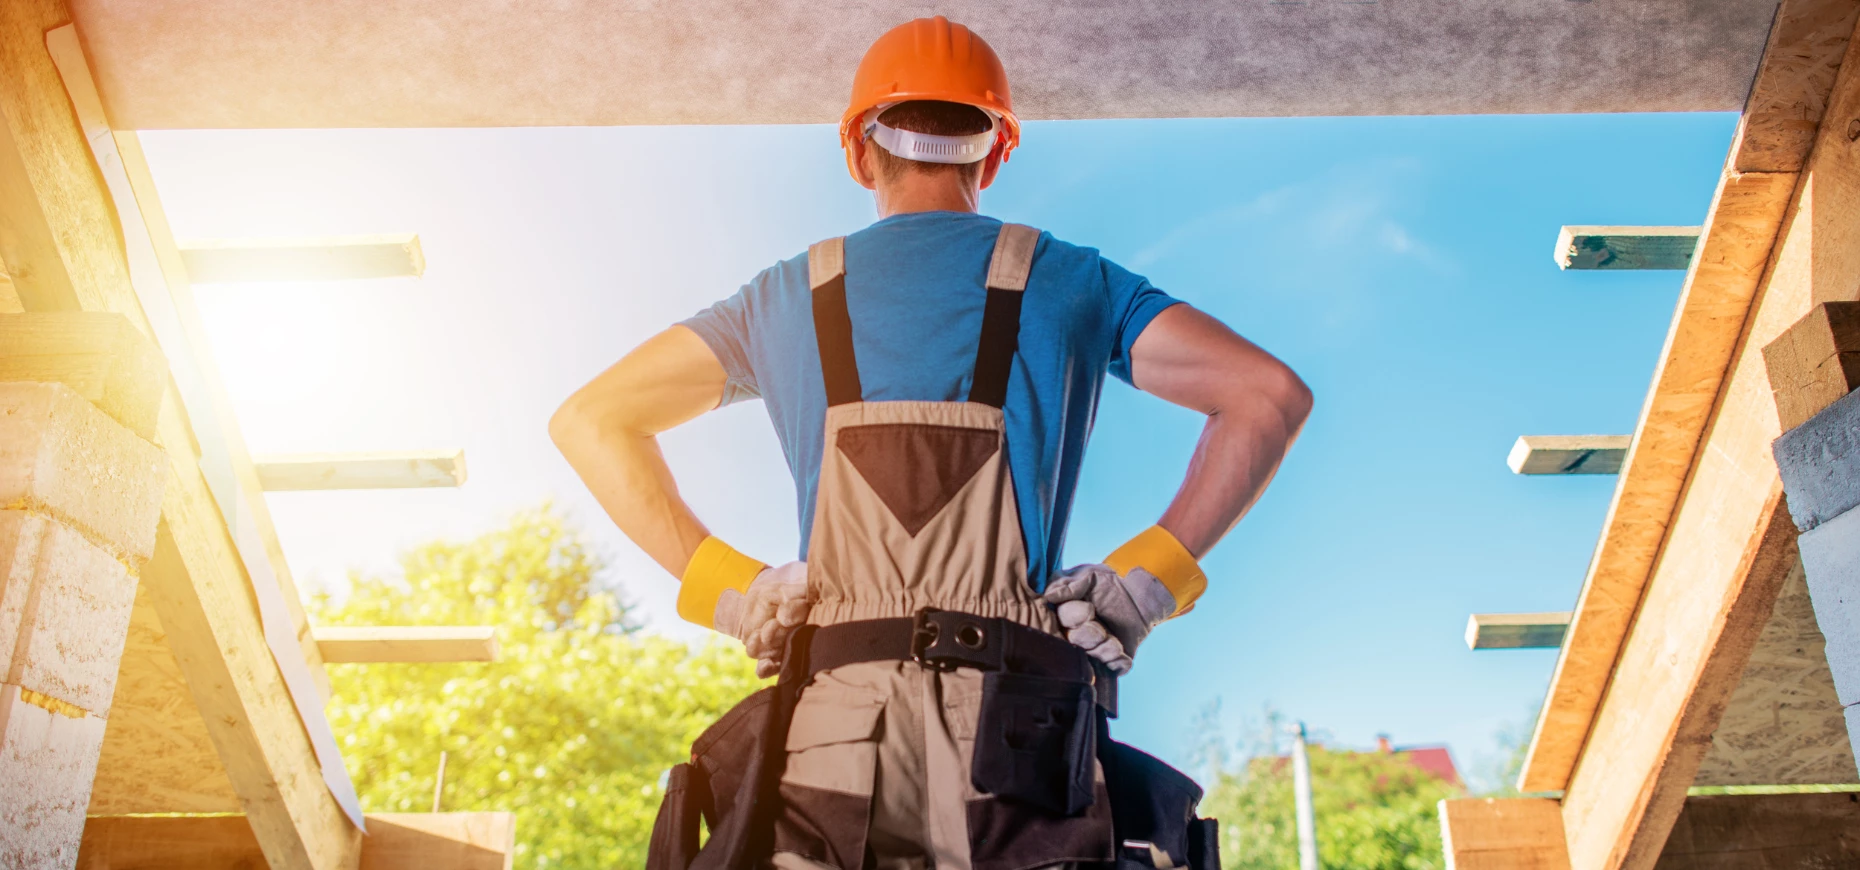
x,y
946,640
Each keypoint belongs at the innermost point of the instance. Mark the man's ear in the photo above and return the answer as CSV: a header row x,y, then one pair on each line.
x,y
860,164
992,163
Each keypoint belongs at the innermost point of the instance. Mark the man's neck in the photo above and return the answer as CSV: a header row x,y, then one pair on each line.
x,y
917,192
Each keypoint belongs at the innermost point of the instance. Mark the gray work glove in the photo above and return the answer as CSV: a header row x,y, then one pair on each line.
x,y
1107,615
764,615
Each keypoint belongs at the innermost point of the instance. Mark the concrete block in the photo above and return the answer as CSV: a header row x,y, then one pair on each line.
x,y
1820,463
47,762
62,456
1831,559
64,611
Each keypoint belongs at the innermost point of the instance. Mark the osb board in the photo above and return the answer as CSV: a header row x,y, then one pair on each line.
x,y
157,757
1783,725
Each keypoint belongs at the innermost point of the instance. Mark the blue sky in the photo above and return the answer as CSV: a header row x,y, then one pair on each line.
x,y
1401,265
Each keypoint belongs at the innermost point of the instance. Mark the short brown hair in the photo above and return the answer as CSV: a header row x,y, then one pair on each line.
x,y
936,118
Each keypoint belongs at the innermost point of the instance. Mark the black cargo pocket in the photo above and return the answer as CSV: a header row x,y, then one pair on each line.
x,y
1034,742
1153,809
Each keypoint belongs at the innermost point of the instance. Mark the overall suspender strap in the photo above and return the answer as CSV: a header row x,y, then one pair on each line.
x,y
826,273
1007,279
994,354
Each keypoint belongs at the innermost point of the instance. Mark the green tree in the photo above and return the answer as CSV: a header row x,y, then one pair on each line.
x,y
572,729
1374,811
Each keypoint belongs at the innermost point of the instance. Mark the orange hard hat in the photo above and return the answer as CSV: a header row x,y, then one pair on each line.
x,y
931,59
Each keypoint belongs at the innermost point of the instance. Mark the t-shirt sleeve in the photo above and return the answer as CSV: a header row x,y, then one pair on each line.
x,y
1134,303
726,327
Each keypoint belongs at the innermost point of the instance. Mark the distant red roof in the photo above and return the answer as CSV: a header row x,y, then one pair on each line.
x,y
1433,759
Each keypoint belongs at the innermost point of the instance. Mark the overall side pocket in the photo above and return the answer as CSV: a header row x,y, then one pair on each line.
x,y
826,790
1035,742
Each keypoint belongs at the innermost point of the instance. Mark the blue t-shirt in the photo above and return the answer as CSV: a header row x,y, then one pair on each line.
x,y
914,290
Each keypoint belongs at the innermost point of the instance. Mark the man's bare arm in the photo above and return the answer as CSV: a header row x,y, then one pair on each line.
x,y
1255,406
608,432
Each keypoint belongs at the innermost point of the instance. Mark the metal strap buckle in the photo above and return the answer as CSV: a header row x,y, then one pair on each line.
x,y
924,634
965,645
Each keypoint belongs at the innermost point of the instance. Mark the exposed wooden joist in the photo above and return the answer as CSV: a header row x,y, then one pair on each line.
x,y
1713,832
410,469
1502,834
1516,630
1568,454
429,841
101,356
1790,92
1587,247
1727,548
196,579
1815,362
375,644
338,258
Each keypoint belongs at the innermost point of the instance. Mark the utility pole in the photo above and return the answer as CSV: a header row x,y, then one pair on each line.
x,y
1301,786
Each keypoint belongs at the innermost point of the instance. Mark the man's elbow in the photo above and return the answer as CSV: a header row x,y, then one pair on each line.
x,y
573,422
1294,397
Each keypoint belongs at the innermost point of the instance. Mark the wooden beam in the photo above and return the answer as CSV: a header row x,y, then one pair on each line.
x,y
1791,88
337,258
1516,630
1502,834
1568,454
1590,247
101,356
430,841
388,470
197,579
1727,546
375,644
1762,831
1815,362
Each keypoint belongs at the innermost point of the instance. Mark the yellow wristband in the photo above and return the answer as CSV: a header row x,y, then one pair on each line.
x,y
1158,552
714,568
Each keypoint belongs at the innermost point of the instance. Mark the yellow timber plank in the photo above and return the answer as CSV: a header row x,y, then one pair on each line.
x,y
380,644
410,469
340,258
429,841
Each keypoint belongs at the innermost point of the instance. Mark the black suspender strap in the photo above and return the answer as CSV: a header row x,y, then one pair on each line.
x,y
994,354
826,272
1007,281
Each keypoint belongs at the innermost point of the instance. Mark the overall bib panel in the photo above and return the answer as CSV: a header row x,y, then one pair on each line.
x,y
915,510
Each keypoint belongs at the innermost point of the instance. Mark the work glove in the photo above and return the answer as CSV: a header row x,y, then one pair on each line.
x,y
765,614
725,590
1108,609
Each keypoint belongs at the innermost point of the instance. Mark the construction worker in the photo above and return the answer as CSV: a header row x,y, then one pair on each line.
x,y
933,379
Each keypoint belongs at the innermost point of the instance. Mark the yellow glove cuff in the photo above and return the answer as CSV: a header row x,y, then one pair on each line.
x,y
1158,552
715,567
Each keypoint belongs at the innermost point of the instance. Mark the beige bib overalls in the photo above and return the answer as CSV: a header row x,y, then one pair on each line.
x,y
915,510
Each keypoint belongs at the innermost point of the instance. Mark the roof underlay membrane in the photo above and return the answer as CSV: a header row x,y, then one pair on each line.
x,y
449,63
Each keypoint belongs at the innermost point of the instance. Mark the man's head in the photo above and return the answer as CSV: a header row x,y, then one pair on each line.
x,y
930,104
935,118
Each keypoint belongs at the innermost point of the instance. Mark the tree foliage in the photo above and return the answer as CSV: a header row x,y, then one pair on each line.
x,y
572,729
1374,811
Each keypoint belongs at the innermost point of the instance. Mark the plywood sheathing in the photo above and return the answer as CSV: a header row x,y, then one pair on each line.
x,y
1783,725
157,755
1774,136
429,841
449,63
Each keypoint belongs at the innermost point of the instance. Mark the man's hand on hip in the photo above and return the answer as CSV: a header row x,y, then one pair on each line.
x,y
765,614
1107,614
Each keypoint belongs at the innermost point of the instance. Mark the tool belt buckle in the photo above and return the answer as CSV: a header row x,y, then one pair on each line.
x,y
965,644
925,633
